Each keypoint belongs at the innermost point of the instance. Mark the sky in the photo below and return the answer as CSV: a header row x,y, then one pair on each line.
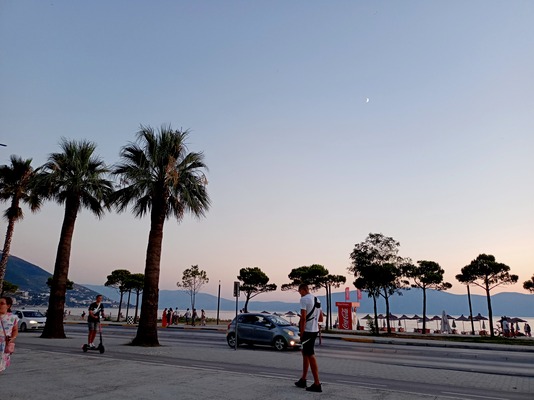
x,y
320,122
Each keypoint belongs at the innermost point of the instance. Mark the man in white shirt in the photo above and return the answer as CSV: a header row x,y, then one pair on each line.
x,y
310,316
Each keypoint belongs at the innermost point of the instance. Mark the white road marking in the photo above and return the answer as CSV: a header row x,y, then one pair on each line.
x,y
465,395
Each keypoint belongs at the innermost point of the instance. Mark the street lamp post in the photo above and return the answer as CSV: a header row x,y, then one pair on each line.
x,y
218,302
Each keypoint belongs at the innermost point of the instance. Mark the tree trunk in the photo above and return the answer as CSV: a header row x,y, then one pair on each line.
x,y
5,251
247,298
120,305
470,310
386,297
137,293
147,331
128,304
490,311
377,330
424,310
56,304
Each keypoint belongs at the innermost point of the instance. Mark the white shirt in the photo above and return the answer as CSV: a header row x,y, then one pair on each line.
x,y
306,303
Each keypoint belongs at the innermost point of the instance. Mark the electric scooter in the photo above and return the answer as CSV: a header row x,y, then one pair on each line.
x,y
100,346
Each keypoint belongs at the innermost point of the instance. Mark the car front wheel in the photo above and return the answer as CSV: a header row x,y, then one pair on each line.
x,y
23,327
279,343
230,339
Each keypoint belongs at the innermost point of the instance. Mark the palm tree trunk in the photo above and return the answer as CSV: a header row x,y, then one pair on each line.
x,y
147,331
56,304
5,251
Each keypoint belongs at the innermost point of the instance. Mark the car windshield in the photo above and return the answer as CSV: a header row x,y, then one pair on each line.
x,y
33,314
279,321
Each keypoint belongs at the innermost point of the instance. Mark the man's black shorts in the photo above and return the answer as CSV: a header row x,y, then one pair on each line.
x,y
308,343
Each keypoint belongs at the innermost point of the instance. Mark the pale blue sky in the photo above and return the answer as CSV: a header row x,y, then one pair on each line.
x,y
302,167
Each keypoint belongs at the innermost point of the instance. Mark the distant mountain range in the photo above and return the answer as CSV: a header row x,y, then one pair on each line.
x,y
32,279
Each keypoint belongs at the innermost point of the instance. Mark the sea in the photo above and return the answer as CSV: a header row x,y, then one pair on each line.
x,y
408,325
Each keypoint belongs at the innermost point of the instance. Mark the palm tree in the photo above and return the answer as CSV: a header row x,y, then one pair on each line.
x,y
75,178
15,185
158,176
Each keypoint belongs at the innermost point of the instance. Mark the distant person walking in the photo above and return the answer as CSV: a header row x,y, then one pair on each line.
x,y
164,319
194,317
310,316
96,311
9,331
505,327
187,315
169,316
527,330
202,317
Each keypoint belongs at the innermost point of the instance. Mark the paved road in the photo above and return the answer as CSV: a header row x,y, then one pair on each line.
x,y
194,365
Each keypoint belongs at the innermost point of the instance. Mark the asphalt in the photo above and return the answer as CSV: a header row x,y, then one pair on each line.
x,y
58,369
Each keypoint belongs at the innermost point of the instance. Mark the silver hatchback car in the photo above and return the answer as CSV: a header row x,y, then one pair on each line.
x,y
263,329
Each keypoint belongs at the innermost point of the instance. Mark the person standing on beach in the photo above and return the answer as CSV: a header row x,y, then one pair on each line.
x,y
310,316
96,311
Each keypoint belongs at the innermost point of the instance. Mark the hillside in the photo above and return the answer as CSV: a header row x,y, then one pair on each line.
x,y
31,281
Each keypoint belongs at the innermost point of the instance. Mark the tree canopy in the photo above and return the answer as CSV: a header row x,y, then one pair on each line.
x,y
426,275
378,269
254,282
486,273
192,281
119,279
529,285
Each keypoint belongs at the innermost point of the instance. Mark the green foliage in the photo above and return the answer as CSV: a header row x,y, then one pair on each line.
x,y
70,284
16,182
427,275
119,279
314,276
255,282
378,268
529,285
8,288
485,272
192,281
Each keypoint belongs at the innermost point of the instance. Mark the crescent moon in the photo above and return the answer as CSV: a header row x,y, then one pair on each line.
x,y
367,99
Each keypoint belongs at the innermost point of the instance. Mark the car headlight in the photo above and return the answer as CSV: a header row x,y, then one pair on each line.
x,y
289,332
33,322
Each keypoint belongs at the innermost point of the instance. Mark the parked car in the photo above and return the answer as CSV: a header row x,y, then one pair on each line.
x,y
263,329
30,319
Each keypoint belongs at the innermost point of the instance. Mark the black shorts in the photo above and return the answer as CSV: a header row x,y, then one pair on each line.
x,y
308,343
93,325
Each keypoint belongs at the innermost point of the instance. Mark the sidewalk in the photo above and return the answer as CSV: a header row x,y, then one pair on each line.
x,y
58,369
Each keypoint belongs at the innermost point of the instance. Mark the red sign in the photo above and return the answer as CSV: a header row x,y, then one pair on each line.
x,y
344,315
347,294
